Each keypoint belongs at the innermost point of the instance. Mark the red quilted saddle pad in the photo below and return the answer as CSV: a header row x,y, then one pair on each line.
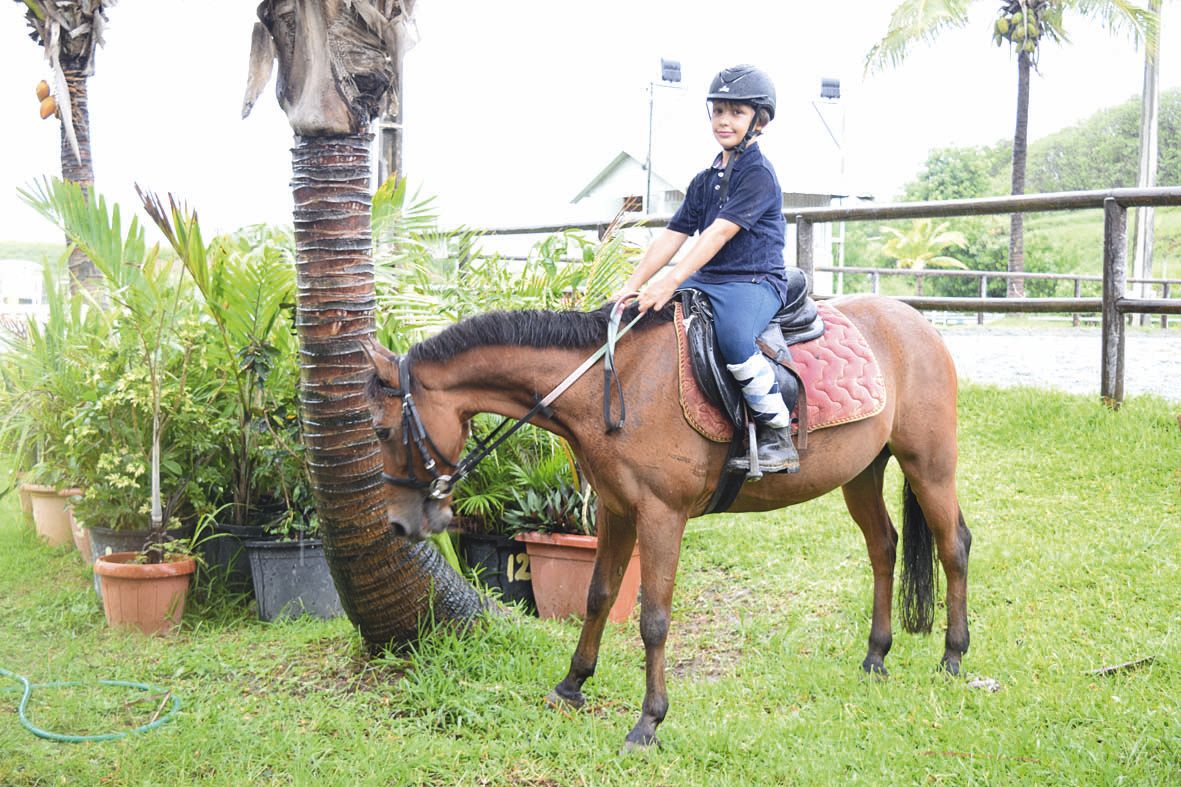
x,y
841,376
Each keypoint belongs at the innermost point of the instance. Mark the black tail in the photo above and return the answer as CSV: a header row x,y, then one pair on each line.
x,y
917,592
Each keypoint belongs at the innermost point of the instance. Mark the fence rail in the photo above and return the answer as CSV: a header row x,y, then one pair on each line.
x,y
1113,306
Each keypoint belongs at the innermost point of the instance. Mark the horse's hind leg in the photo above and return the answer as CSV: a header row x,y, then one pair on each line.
x,y
617,538
863,498
931,484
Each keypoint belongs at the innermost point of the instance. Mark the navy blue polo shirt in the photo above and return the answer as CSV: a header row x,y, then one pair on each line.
x,y
755,203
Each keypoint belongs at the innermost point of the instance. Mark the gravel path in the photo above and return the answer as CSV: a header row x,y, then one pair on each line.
x,y
1066,359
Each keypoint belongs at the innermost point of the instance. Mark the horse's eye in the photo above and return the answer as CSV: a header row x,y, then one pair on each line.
x,y
382,433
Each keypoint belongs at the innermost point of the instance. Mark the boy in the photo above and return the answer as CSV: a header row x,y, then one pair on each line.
x,y
737,261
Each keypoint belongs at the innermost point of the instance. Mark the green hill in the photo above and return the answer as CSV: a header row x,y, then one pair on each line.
x,y
20,250
1100,152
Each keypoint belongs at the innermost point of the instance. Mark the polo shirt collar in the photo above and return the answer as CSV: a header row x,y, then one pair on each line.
x,y
752,154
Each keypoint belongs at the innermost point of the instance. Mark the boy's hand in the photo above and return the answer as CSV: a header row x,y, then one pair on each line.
x,y
623,292
656,294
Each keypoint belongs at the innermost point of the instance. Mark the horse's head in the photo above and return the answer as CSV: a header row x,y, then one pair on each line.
x,y
421,437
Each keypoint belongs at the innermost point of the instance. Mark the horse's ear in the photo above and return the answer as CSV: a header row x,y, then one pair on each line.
x,y
385,363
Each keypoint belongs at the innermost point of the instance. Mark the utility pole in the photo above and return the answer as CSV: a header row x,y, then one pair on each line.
x,y
830,93
1143,228
670,76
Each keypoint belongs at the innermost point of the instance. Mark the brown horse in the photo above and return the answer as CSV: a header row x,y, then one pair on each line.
x,y
656,472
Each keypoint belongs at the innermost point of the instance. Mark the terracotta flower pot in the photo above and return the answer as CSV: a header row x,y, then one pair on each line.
x,y
50,514
148,596
81,538
562,564
22,491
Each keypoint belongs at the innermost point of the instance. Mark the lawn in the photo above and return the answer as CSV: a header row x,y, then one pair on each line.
x,y
1076,565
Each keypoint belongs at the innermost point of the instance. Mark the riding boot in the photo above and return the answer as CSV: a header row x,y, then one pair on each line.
x,y
776,452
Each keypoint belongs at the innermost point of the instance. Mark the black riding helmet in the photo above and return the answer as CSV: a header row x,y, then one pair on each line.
x,y
747,85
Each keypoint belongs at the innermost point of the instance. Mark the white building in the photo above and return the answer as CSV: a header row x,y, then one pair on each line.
x,y
21,289
623,185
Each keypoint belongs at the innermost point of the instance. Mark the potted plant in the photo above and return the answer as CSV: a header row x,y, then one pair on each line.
x,y
246,283
489,552
115,433
142,299
45,375
290,574
553,514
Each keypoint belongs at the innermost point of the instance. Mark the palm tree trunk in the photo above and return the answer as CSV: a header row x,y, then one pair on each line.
x,y
1020,144
78,169
387,585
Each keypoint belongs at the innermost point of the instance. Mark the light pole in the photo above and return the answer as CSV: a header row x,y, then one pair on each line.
x,y
670,76
830,93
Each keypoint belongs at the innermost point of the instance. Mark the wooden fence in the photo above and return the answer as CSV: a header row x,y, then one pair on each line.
x,y
1112,306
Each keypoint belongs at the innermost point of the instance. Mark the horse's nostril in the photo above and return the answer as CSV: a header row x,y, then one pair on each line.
x,y
399,528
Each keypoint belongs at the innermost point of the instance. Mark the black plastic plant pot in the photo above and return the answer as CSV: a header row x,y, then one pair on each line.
x,y
225,555
291,578
500,563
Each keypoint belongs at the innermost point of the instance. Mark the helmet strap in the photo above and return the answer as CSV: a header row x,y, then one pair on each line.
x,y
735,152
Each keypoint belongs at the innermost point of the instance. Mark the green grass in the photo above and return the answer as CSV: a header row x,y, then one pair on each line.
x,y
1076,565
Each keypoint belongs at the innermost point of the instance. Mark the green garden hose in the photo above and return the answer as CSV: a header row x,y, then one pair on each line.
x,y
157,719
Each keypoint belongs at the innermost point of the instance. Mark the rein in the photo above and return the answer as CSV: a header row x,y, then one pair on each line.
x,y
416,437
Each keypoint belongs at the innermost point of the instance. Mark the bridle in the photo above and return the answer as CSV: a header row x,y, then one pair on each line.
x,y
415,437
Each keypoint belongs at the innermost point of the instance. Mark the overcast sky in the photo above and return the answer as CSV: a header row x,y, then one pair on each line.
x,y
512,107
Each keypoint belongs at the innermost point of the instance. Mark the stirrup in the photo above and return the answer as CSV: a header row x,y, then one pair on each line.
x,y
754,472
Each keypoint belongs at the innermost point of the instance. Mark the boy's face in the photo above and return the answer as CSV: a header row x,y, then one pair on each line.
x,y
730,121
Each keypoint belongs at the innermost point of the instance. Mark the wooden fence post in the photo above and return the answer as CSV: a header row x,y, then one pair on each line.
x,y
1164,318
1078,293
804,259
1115,269
983,294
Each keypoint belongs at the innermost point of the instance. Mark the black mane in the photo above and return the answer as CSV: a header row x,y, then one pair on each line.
x,y
530,328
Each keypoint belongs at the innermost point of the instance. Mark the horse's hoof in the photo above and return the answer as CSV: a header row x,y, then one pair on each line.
x,y
639,744
950,666
562,702
875,668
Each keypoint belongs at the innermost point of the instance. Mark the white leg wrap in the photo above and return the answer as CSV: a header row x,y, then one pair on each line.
x,y
761,390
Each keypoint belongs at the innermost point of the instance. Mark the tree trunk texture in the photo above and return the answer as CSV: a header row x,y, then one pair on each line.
x,y
387,584
78,169
1020,144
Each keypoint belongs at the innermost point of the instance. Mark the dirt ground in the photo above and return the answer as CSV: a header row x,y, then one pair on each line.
x,y
1064,358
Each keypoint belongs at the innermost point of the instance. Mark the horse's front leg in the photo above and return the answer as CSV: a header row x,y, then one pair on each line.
x,y
660,549
617,538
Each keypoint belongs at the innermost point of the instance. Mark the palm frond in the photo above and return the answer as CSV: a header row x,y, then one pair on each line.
x,y
912,22
1122,17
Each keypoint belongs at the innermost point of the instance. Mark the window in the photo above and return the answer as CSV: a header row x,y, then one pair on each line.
x,y
633,204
